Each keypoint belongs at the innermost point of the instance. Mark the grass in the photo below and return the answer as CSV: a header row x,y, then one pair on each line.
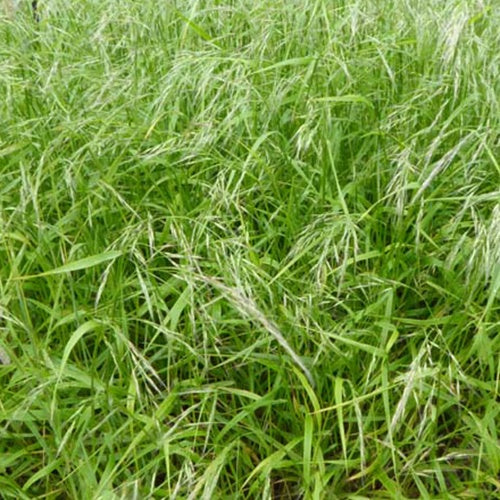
x,y
250,249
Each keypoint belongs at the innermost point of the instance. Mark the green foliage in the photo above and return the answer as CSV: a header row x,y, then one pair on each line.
x,y
250,249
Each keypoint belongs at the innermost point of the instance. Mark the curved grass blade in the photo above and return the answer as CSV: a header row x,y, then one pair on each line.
x,y
78,265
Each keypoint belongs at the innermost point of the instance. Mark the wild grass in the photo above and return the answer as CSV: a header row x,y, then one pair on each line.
x,y
250,249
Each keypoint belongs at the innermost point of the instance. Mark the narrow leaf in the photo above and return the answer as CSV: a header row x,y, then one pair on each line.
x,y
75,337
78,265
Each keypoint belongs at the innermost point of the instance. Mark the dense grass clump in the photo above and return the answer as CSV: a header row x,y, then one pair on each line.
x,y
250,249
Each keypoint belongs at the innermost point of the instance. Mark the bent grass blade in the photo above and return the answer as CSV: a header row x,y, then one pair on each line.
x,y
77,265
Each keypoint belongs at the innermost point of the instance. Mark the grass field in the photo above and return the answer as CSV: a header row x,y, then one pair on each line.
x,y
250,249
